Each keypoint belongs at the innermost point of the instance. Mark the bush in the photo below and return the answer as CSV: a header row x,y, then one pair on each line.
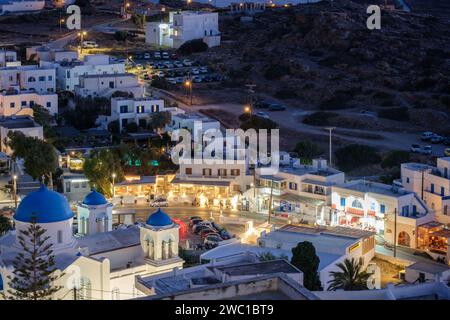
x,y
355,156
259,123
395,158
398,113
132,127
160,83
307,150
338,100
121,35
193,46
320,118
276,71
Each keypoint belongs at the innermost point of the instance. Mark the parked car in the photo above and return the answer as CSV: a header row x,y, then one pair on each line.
x,y
426,150
147,55
415,148
160,74
172,80
199,228
187,62
447,141
262,115
211,241
203,69
160,202
447,152
204,233
168,64
157,55
261,104
193,222
197,79
90,44
276,107
195,71
437,138
207,78
173,56
178,64
426,135
165,55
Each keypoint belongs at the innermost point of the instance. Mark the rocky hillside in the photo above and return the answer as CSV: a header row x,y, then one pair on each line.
x,y
320,56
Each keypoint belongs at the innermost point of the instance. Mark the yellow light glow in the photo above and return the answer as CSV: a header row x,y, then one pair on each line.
x,y
187,83
247,109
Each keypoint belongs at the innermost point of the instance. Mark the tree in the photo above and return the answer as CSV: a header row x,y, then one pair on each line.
x,y
5,224
395,158
121,35
192,46
99,168
304,258
355,156
350,278
33,276
41,115
307,150
40,156
138,20
160,119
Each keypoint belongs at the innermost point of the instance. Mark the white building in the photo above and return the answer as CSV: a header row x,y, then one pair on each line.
x,y
104,85
138,110
189,119
94,214
373,206
8,58
68,73
20,6
75,186
299,192
431,184
105,264
184,26
332,245
43,54
15,102
32,77
24,124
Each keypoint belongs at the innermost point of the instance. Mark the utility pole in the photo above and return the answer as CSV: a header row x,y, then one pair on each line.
x,y
15,190
330,129
75,293
395,232
270,200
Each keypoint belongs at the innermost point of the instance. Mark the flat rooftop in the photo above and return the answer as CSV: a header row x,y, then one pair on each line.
x,y
142,180
109,75
429,267
416,166
304,169
257,268
18,122
373,187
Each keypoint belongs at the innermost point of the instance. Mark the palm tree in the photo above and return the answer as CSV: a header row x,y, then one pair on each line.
x,y
350,278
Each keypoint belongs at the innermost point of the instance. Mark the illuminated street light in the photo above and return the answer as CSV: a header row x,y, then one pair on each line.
x,y
113,180
188,84
82,35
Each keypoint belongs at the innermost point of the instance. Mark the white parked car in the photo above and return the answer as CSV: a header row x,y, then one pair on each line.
x,y
160,202
197,79
159,74
187,62
178,64
203,69
262,115
90,44
426,150
427,135
415,148
195,71
165,55
146,56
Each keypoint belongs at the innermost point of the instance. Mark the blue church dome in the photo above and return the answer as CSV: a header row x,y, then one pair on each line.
x,y
44,204
94,198
159,219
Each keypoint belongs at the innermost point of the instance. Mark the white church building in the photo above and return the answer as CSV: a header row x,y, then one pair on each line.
x,y
97,263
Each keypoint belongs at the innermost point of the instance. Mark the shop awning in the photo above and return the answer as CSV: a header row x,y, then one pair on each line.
x,y
296,198
213,183
142,180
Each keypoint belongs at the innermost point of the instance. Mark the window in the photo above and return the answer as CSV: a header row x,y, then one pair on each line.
x,y
407,180
342,202
188,171
23,103
60,236
207,172
111,84
432,188
12,105
293,186
84,185
235,172
155,108
140,109
372,206
31,103
405,211
31,79
446,210
50,78
357,204
49,105
442,191
123,109
222,172
42,78
76,185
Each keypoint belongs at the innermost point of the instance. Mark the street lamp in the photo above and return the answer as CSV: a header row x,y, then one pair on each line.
x,y
61,21
188,85
330,129
113,180
15,190
248,109
82,35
